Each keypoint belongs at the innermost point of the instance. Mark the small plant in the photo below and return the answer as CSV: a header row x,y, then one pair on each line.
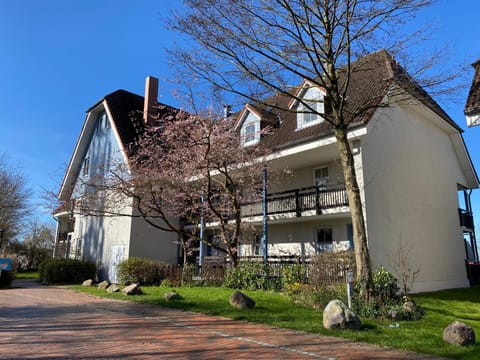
x,y
317,297
404,268
292,275
384,294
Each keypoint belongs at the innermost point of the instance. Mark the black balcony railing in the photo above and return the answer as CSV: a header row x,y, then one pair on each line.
x,y
298,201
466,219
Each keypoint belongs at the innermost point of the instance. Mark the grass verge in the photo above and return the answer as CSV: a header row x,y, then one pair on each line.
x,y
424,336
27,275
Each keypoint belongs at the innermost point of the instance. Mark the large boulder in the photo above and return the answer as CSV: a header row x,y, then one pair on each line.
x,y
241,301
337,315
133,289
458,333
171,295
103,285
88,282
113,288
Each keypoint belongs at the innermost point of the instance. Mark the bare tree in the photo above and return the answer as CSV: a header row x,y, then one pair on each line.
x,y
38,243
255,48
14,196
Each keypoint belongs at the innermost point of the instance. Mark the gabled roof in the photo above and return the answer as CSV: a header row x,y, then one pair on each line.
x,y
126,110
371,79
473,100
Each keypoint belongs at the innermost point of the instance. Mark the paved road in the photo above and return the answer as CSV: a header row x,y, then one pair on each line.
x,y
42,322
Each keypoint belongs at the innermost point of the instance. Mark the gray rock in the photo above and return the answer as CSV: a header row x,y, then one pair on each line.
x,y
241,301
133,289
88,282
104,284
337,315
458,333
172,296
113,288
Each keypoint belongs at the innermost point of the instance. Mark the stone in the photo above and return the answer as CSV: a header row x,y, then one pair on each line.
x,y
241,301
88,282
104,284
337,315
409,306
394,314
169,296
113,288
133,289
458,333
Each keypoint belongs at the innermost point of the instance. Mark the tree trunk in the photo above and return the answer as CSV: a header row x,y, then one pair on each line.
x,y
362,257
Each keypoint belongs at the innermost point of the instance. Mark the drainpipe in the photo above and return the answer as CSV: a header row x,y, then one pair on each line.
x,y
265,216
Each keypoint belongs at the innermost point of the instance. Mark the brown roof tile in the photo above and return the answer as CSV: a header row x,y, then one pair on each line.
x,y
371,78
473,100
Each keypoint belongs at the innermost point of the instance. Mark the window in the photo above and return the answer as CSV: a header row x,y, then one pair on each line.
x,y
249,133
257,244
308,111
86,165
102,122
324,239
320,177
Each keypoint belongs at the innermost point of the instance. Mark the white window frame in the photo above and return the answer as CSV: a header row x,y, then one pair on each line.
x,y
326,179
256,137
314,98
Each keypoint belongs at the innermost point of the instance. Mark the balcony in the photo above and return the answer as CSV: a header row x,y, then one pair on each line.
x,y
311,200
466,219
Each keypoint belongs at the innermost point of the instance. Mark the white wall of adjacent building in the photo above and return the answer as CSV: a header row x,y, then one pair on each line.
x,y
411,172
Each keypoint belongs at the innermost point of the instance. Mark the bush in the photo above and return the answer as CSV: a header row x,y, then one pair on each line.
x,y
6,277
251,275
292,276
144,272
317,297
384,298
66,271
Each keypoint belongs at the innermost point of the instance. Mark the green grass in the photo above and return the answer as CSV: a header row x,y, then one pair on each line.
x,y
27,275
424,336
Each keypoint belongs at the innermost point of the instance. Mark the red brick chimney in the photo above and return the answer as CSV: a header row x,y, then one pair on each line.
x,y
151,98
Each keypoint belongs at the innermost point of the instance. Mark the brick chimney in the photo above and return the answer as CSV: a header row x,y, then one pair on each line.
x,y
151,98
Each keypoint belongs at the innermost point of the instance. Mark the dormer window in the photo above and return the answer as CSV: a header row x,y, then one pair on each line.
x,y
311,106
249,123
250,133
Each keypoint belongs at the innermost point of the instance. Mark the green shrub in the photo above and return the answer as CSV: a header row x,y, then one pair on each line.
x,y
317,297
143,271
6,277
66,271
384,298
292,275
251,275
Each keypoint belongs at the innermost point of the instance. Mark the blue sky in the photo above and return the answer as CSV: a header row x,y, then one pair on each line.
x,y
57,58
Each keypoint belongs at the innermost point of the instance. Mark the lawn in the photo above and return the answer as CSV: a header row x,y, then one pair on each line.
x,y
27,275
424,336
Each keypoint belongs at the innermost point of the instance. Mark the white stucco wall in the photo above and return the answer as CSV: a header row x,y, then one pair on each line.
x,y
150,242
411,173
299,237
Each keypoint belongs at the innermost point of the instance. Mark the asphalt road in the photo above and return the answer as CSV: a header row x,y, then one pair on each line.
x,y
40,322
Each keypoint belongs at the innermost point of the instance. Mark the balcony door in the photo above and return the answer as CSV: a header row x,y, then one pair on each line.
x,y
321,178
